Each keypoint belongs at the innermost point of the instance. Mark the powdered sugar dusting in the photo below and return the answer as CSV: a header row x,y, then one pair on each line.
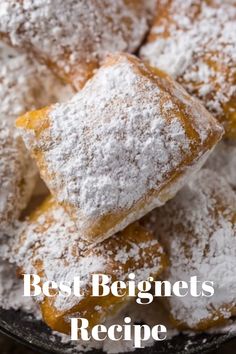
x,y
11,291
195,42
122,153
75,35
198,230
119,138
223,161
152,314
54,240
24,86
17,176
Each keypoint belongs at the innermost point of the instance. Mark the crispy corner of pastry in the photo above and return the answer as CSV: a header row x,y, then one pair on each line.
x,y
36,121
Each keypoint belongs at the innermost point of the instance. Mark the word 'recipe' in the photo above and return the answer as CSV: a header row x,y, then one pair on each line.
x,y
101,285
116,332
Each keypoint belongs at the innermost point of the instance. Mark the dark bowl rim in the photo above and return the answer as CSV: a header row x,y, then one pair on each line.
x,y
221,338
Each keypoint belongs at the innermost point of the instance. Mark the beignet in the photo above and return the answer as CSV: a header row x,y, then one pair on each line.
x,y
123,145
23,86
52,247
17,176
198,231
74,36
195,42
223,161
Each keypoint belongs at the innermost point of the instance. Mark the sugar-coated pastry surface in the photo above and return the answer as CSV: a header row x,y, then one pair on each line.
x,y
17,176
26,85
23,86
17,171
198,230
17,89
223,161
194,40
121,146
52,247
75,35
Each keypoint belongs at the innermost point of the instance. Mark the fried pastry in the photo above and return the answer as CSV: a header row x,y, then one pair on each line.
x,y
23,86
17,173
123,145
223,161
17,176
198,231
195,42
74,36
51,247
26,85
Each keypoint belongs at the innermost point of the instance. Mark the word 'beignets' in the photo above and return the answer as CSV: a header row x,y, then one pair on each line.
x,y
195,42
52,247
23,86
74,36
198,231
123,145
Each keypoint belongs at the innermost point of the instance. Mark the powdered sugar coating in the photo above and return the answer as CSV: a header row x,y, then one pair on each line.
x,y
223,161
24,85
198,230
195,42
16,171
11,291
125,150
125,134
76,35
53,240
16,175
17,75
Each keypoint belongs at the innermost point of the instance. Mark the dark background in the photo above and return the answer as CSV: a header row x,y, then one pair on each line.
x,y
8,346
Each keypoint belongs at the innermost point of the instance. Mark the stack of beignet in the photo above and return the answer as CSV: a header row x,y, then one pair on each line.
x,y
195,42
133,250
24,85
129,126
198,230
73,37
123,146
